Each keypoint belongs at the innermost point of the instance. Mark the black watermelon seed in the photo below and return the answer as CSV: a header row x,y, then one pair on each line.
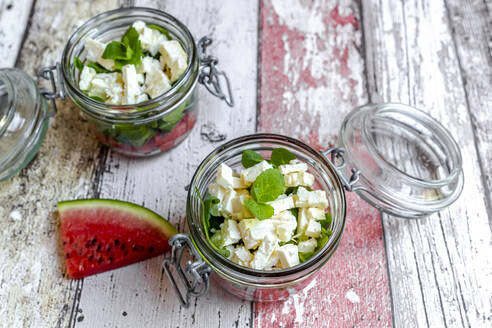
x,y
110,259
134,248
91,258
67,256
116,242
151,249
123,246
108,249
93,242
125,253
99,247
80,252
124,313
100,260
64,243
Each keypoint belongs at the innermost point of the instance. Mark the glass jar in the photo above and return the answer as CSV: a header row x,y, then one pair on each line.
x,y
394,156
24,120
153,126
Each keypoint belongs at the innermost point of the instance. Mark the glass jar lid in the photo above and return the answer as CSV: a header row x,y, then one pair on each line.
x,y
406,162
23,120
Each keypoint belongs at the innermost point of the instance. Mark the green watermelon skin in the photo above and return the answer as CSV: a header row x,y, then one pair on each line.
x,y
103,234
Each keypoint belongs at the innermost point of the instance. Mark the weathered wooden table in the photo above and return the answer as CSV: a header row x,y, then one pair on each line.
x,y
297,68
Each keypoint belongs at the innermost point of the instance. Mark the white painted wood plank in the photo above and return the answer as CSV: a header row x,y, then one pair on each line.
x,y
14,17
33,292
440,267
141,291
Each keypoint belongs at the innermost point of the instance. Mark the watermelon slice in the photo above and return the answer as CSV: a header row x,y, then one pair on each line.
x,y
102,234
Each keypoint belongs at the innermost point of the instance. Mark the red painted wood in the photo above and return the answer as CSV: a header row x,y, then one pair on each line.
x,y
311,76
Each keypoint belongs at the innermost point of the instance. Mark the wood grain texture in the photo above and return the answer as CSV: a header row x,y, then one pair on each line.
x,y
33,292
141,295
311,77
440,267
471,27
12,34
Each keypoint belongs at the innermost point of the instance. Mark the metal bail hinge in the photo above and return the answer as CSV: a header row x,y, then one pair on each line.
x,y
210,76
47,74
195,276
338,160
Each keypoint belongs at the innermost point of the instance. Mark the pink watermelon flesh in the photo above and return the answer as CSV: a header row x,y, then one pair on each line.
x,y
100,235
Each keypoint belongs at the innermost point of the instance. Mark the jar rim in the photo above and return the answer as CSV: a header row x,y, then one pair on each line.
x,y
131,110
252,276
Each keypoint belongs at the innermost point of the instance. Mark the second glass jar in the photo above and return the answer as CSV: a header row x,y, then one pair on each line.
x,y
141,129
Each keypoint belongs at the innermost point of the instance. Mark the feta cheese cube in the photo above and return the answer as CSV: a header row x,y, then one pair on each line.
x,y
131,90
224,176
295,179
148,65
302,221
230,232
151,40
282,203
237,183
250,174
313,229
253,231
173,59
293,166
217,191
288,255
86,77
139,26
315,213
242,254
285,223
107,86
141,98
229,203
240,210
156,83
265,257
316,198
307,246
95,50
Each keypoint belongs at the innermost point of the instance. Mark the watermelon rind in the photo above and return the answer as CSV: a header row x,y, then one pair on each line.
x,y
123,206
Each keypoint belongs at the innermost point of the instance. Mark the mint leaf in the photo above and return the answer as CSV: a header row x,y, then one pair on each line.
x,y
160,29
136,135
130,38
117,50
218,241
323,239
78,64
268,186
96,98
169,121
250,158
281,156
260,211
326,222
303,257
98,68
291,190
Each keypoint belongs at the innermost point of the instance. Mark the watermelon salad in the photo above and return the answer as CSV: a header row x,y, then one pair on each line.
x,y
102,234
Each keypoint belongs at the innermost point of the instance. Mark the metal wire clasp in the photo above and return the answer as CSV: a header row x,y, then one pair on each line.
x,y
210,76
47,74
338,160
195,276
